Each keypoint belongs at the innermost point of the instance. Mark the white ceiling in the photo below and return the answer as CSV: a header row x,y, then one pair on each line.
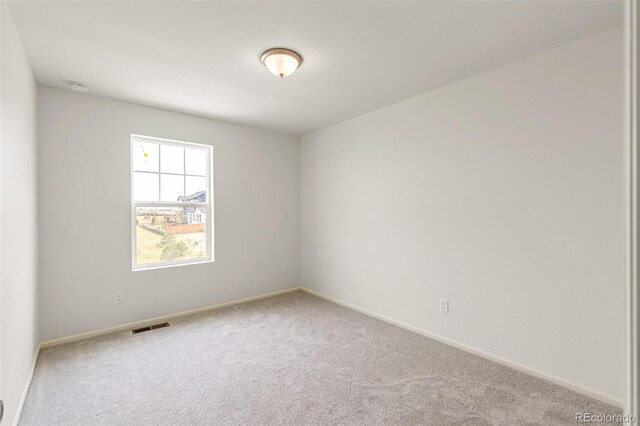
x,y
203,57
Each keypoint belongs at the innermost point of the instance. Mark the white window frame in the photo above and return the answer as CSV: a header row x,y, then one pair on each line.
x,y
209,233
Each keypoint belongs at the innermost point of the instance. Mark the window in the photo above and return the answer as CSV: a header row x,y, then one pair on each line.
x,y
171,202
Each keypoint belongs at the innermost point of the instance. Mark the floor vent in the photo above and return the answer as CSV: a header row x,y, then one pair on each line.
x,y
150,327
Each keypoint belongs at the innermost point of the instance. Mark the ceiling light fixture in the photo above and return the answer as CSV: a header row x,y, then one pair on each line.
x,y
78,87
281,62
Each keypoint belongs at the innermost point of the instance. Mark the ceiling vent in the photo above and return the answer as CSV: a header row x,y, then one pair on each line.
x,y
76,86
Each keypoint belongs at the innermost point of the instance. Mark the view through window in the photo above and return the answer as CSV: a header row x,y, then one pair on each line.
x,y
171,202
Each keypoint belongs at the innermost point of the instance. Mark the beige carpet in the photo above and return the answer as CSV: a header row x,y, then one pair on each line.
x,y
292,359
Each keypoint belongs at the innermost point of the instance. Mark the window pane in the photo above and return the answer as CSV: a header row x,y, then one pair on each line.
x,y
196,189
196,161
172,187
145,157
170,233
171,159
145,186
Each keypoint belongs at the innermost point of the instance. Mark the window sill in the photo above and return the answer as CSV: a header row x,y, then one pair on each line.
x,y
171,265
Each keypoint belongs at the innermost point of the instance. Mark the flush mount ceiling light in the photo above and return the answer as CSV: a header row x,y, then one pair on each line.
x,y
78,87
281,62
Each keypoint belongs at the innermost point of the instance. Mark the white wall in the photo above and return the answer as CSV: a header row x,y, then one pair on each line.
x,y
85,223
18,208
502,193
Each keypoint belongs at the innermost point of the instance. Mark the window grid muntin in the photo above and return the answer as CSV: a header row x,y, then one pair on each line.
x,y
209,225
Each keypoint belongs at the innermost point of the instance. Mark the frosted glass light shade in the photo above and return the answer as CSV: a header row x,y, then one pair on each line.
x,y
281,62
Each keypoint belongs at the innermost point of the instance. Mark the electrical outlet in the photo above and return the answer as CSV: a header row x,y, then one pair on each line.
x,y
118,297
285,270
444,306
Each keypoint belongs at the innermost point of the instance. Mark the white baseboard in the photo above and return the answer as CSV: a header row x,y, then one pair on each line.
x,y
576,387
23,397
164,318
